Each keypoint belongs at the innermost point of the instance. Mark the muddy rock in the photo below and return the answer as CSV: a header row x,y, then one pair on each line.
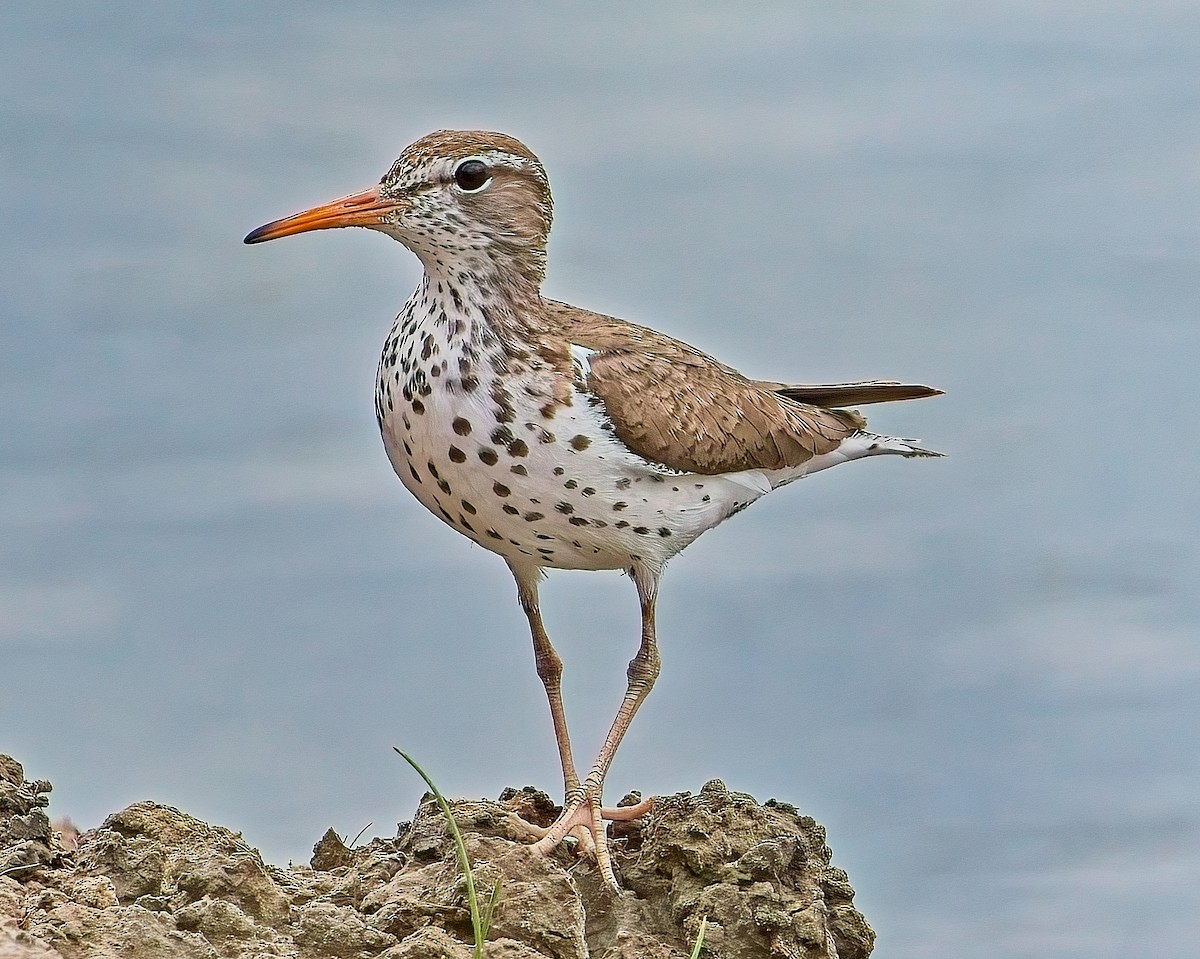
x,y
152,882
26,838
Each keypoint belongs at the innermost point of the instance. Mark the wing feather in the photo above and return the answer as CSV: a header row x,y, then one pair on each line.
x,y
673,405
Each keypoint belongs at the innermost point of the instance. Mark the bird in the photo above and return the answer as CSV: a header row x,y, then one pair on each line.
x,y
561,438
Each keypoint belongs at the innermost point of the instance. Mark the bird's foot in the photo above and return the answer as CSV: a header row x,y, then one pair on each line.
x,y
582,819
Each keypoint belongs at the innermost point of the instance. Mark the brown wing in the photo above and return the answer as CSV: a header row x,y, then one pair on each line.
x,y
674,405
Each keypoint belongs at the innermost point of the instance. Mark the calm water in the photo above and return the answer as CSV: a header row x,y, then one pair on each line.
x,y
980,672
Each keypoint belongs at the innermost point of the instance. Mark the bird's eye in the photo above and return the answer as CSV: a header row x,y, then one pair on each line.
x,y
472,175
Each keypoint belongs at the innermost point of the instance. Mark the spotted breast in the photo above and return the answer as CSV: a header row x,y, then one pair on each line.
x,y
515,452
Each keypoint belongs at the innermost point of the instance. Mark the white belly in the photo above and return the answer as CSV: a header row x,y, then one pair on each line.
x,y
557,492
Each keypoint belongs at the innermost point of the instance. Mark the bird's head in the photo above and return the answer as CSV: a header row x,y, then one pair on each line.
x,y
459,199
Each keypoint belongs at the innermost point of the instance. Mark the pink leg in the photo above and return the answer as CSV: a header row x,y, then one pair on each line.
x,y
549,670
584,809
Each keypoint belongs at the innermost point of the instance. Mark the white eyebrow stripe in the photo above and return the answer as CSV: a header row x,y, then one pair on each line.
x,y
513,160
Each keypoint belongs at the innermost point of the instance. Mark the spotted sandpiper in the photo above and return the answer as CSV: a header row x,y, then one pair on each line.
x,y
561,438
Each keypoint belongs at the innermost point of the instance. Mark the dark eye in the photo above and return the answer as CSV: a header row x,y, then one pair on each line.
x,y
472,175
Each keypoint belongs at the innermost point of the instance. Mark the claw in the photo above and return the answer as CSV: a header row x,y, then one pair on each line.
x,y
582,819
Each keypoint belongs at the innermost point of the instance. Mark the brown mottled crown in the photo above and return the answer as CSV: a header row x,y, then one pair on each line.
x,y
459,144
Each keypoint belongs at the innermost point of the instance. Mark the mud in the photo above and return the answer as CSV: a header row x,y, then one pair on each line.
x,y
152,882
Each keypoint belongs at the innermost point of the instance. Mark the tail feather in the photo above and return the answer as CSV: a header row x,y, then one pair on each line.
x,y
855,446
895,444
833,395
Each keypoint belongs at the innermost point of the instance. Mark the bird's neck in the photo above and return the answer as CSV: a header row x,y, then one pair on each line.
x,y
483,298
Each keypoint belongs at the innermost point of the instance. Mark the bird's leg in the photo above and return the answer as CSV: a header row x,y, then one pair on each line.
x,y
549,670
585,810
587,830
642,672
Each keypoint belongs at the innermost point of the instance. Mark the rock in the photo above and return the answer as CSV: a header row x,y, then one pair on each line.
x,y
153,882
330,852
27,841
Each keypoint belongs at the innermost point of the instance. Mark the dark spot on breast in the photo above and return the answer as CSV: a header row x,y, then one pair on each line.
x,y
664,532
571,484
428,347
432,470
705,498
502,436
494,535
417,406
620,524
624,482
415,474
519,469
469,507
510,510
456,455
565,508
599,523
588,491
534,517
444,487
469,384
500,489
641,530
544,536
461,426
436,371
580,442
558,471
504,414
577,521
620,505
465,525
488,455
518,448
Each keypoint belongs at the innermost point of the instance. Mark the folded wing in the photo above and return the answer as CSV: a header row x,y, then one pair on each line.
x,y
676,406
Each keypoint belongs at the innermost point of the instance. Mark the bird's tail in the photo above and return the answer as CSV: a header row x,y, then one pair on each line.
x,y
855,446
877,445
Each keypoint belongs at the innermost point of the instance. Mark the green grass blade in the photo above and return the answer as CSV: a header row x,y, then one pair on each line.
x,y
479,925
490,908
700,938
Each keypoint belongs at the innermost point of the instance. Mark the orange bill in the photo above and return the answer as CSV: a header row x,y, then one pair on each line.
x,y
359,209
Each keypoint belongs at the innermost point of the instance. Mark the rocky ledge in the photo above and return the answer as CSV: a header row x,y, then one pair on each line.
x,y
155,883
